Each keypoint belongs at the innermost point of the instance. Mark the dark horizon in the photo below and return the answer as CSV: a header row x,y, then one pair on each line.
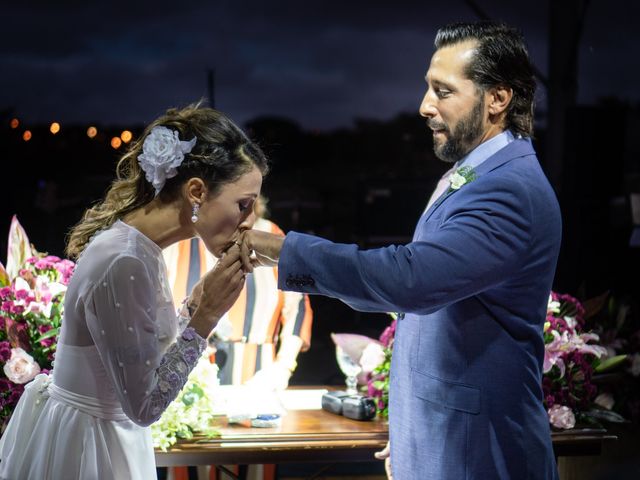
x,y
124,64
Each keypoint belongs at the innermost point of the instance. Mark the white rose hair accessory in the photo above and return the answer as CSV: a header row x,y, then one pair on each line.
x,y
162,154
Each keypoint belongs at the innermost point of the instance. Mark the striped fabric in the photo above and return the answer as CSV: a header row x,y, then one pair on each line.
x,y
261,316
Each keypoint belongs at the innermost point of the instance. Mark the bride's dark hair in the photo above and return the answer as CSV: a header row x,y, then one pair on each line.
x,y
221,155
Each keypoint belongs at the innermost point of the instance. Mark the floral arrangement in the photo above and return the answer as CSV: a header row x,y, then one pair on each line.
x,y
32,288
378,380
192,410
571,358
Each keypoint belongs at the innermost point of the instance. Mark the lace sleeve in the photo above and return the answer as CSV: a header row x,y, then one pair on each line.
x,y
129,321
174,369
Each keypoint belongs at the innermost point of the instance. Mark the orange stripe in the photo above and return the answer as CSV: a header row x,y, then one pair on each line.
x,y
275,319
269,471
181,473
213,473
249,361
236,314
202,251
179,289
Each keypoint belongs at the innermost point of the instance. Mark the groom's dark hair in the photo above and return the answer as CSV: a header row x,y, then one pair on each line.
x,y
500,59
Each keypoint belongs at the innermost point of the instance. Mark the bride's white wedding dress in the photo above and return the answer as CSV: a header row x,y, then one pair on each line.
x,y
119,363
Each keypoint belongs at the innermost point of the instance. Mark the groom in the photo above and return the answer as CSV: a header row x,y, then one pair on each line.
x,y
465,394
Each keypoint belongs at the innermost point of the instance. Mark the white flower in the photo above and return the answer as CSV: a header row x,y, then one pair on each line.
x,y
162,154
183,418
553,306
372,356
456,180
604,400
561,417
21,367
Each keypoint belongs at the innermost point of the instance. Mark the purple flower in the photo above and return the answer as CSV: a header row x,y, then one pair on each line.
x,y
5,351
5,292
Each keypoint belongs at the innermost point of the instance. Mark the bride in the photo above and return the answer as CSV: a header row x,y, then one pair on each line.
x,y
123,353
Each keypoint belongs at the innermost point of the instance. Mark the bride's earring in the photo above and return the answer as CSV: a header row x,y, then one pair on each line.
x,y
194,212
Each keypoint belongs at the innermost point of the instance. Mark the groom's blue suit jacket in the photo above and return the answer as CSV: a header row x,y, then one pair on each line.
x,y
465,396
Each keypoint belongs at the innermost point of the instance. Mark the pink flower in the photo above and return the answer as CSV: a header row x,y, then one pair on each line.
x,y
22,294
561,417
21,367
566,343
387,335
5,292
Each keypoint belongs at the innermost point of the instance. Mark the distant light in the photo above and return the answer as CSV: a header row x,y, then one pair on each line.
x,y
14,123
92,132
126,136
54,128
116,142
26,136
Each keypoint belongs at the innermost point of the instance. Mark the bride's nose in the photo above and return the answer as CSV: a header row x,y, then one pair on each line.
x,y
247,223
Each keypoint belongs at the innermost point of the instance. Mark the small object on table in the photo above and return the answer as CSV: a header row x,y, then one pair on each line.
x,y
267,421
356,407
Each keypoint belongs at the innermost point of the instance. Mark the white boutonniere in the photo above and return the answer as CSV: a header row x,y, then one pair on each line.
x,y
460,177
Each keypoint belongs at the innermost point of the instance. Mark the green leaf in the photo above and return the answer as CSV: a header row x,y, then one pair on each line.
x,y
196,390
606,415
189,398
48,334
610,363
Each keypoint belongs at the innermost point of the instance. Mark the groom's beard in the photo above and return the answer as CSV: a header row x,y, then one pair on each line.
x,y
464,136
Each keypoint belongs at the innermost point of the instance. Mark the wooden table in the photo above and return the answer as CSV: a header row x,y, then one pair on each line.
x,y
319,436
304,436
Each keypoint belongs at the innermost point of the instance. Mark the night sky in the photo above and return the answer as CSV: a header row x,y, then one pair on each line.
x,y
321,63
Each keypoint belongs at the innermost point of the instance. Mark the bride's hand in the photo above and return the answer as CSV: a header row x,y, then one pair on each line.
x,y
216,292
260,249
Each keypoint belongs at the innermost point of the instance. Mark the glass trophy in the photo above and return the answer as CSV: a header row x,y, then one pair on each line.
x,y
350,369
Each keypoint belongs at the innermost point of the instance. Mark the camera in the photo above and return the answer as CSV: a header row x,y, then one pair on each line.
x,y
354,406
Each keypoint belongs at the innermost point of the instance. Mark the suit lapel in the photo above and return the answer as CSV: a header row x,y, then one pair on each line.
x,y
518,148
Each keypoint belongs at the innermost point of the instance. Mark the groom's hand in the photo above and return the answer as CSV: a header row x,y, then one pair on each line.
x,y
259,249
385,455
